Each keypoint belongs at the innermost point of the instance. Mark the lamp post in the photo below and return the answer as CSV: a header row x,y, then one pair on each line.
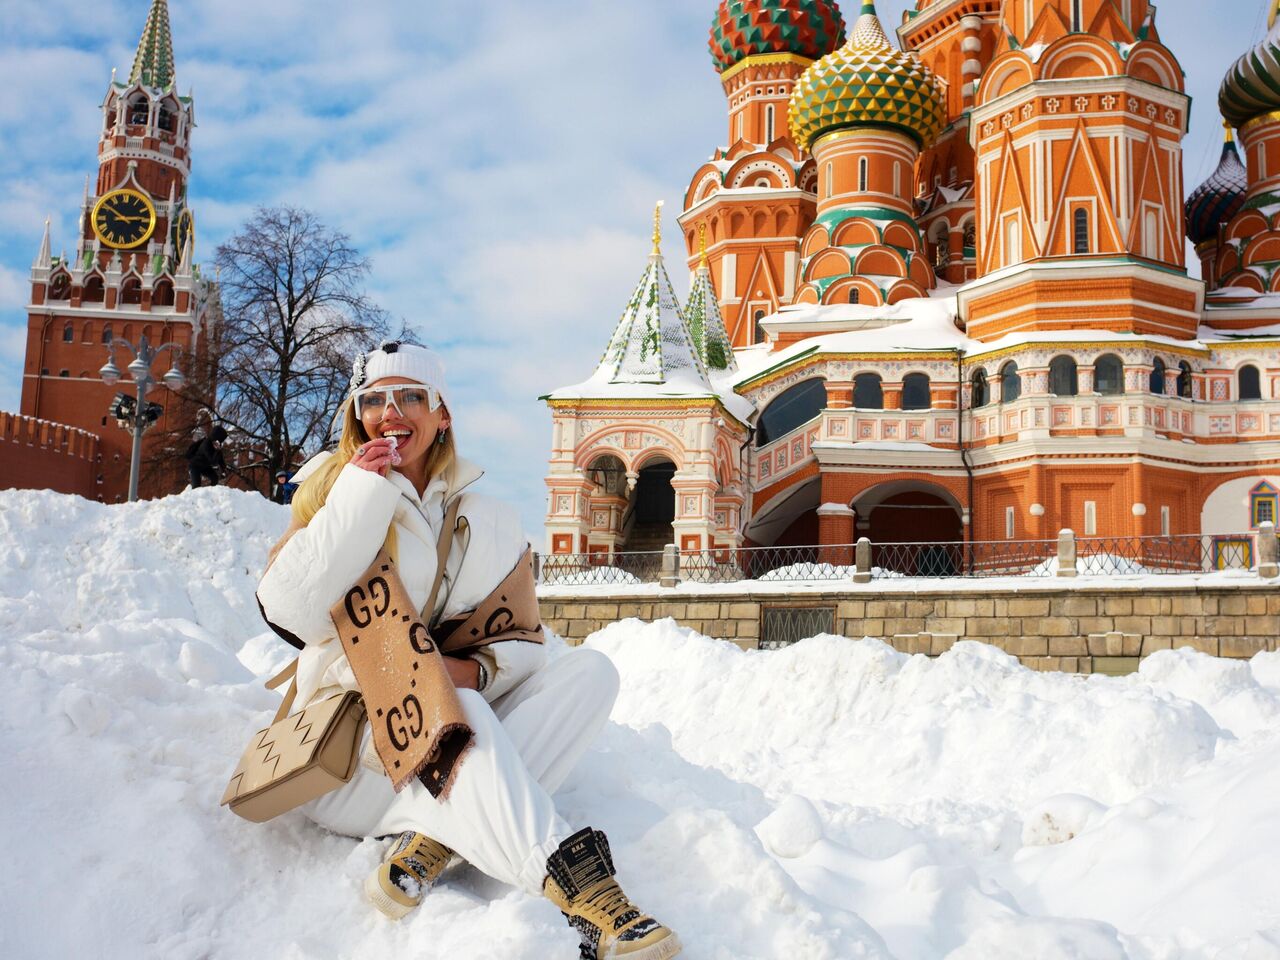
x,y
136,414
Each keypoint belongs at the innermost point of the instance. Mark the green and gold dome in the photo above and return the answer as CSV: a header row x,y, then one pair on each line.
x,y
1252,85
868,82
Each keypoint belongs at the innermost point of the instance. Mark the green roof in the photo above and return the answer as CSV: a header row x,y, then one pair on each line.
x,y
153,63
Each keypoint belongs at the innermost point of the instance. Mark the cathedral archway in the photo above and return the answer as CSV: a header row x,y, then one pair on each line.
x,y
652,508
910,523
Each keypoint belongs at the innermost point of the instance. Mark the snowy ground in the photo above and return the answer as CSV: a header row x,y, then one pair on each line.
x,y
833,800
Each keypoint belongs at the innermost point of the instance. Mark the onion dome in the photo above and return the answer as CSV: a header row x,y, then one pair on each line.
x,y
1251,87
751,28
868,82
1220,197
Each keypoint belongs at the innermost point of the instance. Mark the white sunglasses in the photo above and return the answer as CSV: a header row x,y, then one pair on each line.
x,y
407,398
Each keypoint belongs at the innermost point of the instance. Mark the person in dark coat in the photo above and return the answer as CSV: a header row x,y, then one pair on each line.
x,y
204,458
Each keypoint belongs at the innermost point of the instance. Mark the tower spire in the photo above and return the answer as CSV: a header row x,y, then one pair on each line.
x,y
657,229
153,63
44,259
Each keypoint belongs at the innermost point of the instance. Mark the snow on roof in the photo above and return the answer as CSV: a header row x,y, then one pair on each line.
x,y
652,353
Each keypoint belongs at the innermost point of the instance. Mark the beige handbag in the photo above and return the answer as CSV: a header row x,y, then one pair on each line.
x,y
298,758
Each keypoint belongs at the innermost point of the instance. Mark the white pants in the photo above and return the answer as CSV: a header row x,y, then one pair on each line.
x,y
499,815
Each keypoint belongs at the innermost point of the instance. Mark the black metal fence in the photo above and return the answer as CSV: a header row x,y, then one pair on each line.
x,y
586,569
1000,558
1095,557
768,563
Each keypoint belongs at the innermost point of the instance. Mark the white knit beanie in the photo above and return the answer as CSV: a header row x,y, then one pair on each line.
x,y
408,360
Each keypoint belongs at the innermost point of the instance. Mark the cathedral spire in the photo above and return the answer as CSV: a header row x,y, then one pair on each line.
x,y
153,64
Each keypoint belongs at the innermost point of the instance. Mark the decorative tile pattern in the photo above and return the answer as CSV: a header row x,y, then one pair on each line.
x,y
868,81
748,28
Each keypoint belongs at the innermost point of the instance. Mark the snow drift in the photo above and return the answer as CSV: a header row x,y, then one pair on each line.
x,y
829,801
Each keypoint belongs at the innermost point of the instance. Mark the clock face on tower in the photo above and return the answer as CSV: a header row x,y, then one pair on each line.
x,y
124,219
184,228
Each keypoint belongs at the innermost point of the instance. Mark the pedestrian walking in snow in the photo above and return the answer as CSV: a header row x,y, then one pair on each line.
x,y
392,485
204,458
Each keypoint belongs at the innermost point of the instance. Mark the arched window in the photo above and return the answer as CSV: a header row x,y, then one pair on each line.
x,y
1184,380
106,334
1250,383
167,120
139,111
1081,223
60,288
162,295
978,388
1108,375
768,124
86,333
792,408
131,291
862,174
759,328
1010,383
94,292
830,179
854,294
1062,377
867,393
915,392
68,333
1157,376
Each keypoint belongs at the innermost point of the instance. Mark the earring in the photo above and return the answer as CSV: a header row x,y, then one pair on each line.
x,y
440,435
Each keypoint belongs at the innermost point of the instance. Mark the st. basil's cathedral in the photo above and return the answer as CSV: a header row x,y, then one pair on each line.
x,y
939,293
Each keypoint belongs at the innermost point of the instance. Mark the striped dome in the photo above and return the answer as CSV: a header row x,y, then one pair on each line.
x,y
1251,87
868,82
749,28
1219,198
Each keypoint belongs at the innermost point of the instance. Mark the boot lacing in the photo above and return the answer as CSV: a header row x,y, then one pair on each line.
x,y
609,902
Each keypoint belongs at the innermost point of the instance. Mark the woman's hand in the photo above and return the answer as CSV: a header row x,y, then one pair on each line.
x,y
375,456
463,671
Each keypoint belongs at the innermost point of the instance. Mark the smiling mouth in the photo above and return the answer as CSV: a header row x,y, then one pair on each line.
x,y
397,432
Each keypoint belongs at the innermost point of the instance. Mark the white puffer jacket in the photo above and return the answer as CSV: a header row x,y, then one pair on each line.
x,y
320,562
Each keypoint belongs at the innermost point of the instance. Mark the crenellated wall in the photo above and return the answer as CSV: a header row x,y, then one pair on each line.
x,y
40,454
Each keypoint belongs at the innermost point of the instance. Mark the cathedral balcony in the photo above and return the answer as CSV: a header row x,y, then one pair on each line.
x,y
1135,416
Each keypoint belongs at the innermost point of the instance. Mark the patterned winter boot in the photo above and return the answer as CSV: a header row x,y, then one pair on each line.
x,y
406,874
580,882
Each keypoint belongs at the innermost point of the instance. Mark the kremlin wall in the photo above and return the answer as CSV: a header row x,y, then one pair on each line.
x,y
938,293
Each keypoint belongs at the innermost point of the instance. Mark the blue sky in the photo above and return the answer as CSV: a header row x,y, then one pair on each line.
x,y
498,162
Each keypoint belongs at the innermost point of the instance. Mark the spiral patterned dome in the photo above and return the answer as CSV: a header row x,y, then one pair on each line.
x,y
1219,198
1251,87
868,81
749,28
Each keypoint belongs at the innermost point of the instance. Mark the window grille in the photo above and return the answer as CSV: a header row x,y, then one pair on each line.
x,y
782,626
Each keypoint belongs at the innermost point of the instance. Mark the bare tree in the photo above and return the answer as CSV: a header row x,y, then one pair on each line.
x,y
294,315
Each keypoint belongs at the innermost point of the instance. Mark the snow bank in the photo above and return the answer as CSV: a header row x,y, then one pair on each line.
x,y
833,800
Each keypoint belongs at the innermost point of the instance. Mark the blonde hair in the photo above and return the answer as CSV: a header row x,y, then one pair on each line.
x,y
311,496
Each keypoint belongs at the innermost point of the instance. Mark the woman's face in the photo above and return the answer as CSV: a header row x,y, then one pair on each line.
x,y
415,430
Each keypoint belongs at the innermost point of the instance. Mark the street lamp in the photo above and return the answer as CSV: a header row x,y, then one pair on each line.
x,y
137,415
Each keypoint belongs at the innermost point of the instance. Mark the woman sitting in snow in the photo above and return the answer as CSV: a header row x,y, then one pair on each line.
x,y
391,483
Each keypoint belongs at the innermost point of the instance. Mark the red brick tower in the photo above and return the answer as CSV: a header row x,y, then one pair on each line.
x,y
132,274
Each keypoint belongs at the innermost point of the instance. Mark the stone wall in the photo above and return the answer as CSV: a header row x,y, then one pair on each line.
x,y
1084,629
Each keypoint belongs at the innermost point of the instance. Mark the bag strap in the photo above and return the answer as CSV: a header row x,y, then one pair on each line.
x,y
288,673
442,555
